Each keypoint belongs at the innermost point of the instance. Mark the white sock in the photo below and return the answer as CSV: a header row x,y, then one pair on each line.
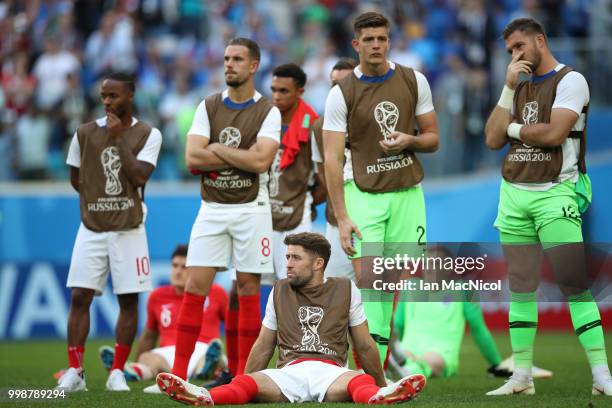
x,y
147,374
522,374
601,373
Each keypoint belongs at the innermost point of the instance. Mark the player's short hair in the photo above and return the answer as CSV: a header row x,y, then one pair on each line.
x,y
254,51
312,242
344,63
180,250
129,80
370,19
526,25
293,71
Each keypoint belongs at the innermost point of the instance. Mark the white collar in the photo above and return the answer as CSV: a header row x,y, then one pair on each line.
x,y
359,74
101,122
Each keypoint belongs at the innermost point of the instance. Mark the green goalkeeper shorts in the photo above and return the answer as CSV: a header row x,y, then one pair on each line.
x,y
390,223
522,214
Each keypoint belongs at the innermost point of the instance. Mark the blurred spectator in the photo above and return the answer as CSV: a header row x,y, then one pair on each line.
x,y
32,136
53,52
111,46
51,70
18,86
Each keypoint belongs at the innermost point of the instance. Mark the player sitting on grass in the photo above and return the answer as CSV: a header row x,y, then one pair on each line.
x,y
429,334
310,318
162,309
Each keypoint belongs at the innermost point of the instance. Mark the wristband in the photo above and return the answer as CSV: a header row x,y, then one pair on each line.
x,y
507,98
514,130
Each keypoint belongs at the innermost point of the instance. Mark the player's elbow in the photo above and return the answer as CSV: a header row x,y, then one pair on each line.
x,y
493,141
261,165
434,144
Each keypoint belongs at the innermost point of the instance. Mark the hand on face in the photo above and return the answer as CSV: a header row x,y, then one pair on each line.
x,y
516,66
114,125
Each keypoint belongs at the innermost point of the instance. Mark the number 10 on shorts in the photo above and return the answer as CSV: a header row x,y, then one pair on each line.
x,y
143,266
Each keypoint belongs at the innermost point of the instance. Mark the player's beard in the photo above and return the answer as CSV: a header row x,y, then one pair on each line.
x,y
300,281
236,83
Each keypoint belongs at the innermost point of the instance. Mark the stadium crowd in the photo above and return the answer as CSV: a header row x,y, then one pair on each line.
x,y
53,52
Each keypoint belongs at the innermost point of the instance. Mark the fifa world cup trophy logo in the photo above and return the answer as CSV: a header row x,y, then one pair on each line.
x,y
310,319
386,115
231,137
111,163
275,173
530,115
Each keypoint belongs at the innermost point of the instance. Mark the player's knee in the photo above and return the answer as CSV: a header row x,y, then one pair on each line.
x,y
248,284
81,298
128,302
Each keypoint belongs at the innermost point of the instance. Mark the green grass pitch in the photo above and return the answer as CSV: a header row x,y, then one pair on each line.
x,y
30,364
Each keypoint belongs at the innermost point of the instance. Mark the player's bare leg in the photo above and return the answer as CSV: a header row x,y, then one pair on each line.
x,y
78,329
154,362
249,314
78,316
127,323
267,390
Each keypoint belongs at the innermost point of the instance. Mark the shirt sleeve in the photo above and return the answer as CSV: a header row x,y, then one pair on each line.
x,y
269,320
150,150
572,92
151,318
271,126
74,152
356,313
200,126
335,111
424,100
316,154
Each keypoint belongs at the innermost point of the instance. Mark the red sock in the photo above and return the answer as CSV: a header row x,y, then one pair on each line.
x,y
362,388
75,356
357,364
249,323
240,391
188,327
231,339
122,351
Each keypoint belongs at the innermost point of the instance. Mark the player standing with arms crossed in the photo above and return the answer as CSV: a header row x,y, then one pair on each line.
x,y
232,142
380,106
542,195
110,161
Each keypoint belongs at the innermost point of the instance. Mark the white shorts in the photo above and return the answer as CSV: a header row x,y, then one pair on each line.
x,y
167,353
124,253
339,265
280,249
221,238
307,381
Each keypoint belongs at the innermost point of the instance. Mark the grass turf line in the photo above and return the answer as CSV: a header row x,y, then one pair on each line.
x,y
30,364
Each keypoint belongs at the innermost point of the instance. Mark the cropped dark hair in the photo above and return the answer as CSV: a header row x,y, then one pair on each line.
x,y
370,19
526,25
314,243
126,78
252,46
180,250
291,70
344,63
